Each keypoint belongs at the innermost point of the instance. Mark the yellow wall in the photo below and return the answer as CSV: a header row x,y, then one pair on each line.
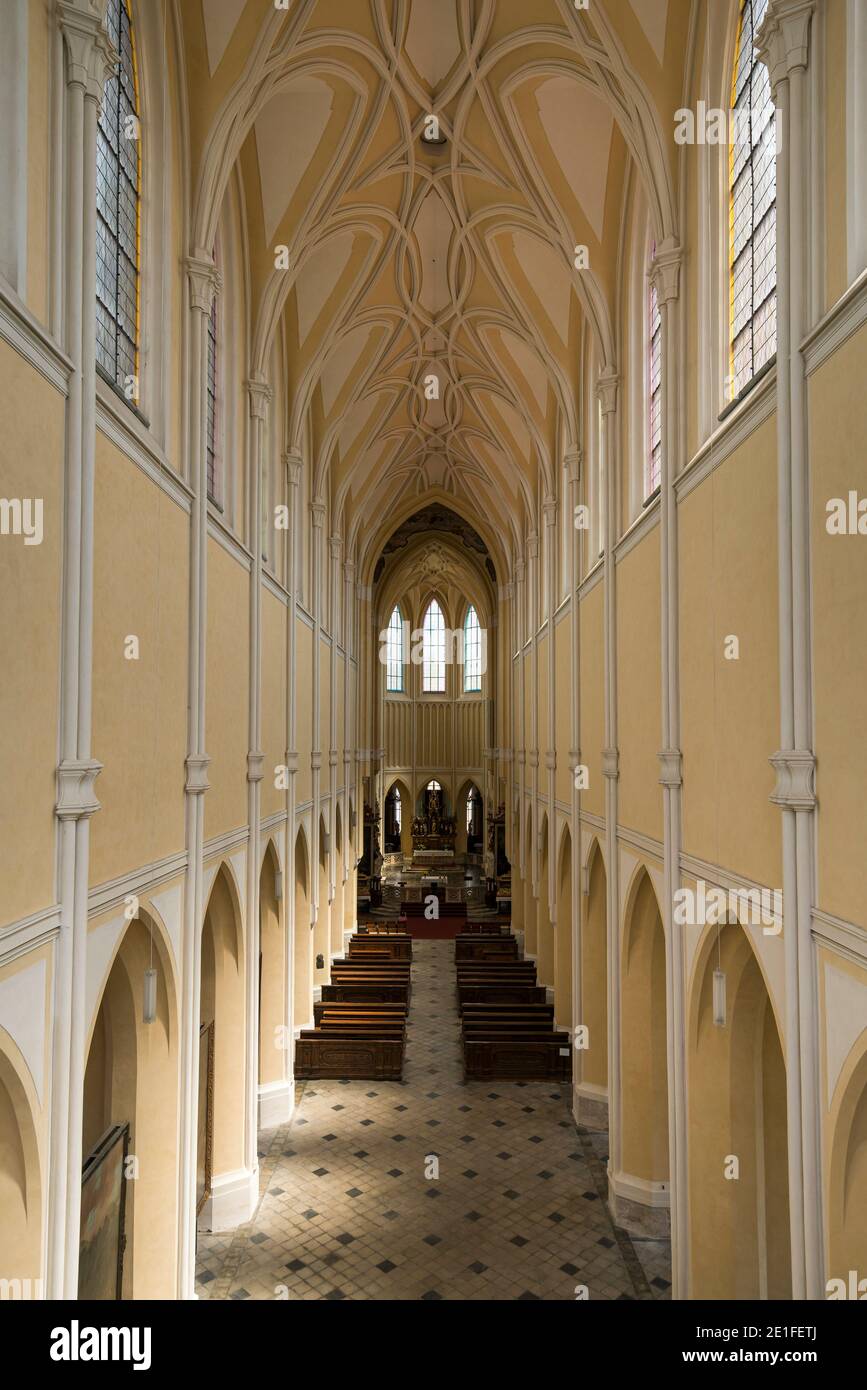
x,y
31,427
730,723
139,707
639,727
838,464
227,678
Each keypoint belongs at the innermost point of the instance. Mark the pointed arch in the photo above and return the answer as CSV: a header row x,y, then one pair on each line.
x,y
434,649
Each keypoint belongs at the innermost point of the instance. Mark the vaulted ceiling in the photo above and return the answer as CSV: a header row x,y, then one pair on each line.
x,y
432,317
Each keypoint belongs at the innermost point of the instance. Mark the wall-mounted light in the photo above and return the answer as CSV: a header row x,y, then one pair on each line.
x,y
719,998
320,962
150,995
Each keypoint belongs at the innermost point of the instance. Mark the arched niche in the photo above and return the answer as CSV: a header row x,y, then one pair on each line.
x,y
20,1173
564,934
644,1070
222,1044
131,1078
738,1149
303,942
272,972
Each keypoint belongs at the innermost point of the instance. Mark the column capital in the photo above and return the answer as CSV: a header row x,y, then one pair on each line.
x,y
551,759
291,761
76,797
671,767
197,765
665,270
260,394
91,55
796,772
606,390
520,571
573,457
611,763
255,766
349,570
549,511
294,463
335,545
533,545
783,38
506,592
317,514
205,282
315,761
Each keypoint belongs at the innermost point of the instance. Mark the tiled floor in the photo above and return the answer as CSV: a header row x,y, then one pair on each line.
x,y
353,1205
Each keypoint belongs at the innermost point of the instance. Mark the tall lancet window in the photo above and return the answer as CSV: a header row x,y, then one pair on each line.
x,y
752,209
118,181
394,652
653,470
434,650
472,651
212,450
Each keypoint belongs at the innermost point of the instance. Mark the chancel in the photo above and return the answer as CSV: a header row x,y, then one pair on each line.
x,y
433,439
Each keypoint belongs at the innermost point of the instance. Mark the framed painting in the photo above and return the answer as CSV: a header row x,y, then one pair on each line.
x,y
103,1210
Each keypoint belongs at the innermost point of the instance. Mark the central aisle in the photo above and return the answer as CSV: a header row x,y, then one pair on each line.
x,y
517,1210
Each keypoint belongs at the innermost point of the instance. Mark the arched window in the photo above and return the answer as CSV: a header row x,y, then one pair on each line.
x,y
434,650
118,183
215,489
394,652
472,651
392,820
752,209
653,471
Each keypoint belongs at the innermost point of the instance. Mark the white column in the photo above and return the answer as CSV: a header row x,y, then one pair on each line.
x,y
293,462
666,278
89,57
259,393
572,464
784,45
607,388
317,517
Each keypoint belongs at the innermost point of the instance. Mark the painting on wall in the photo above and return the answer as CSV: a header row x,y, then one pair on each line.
x,y
103,1208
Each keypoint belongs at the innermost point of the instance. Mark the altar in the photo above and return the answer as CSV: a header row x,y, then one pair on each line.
x,y
433,833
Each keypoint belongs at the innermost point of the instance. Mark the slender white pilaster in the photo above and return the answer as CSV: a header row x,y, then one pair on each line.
x,y
204,283
259,395
666,276
783,43
88,60
607,387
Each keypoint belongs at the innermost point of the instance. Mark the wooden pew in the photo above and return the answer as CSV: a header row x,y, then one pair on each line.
x,y
381,946
373,990
519,1057
471,948
482,993
353,1040
348,1054
348,1008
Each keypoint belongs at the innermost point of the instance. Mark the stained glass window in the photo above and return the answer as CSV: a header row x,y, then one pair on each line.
x,y
753,208
434,650
211,425
472,651
118,180
654,459
394,653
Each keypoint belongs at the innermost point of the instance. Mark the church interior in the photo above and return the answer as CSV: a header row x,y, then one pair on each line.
x,y
433,586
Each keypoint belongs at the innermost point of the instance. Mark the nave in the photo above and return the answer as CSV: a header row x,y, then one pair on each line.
x,y
518,1210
